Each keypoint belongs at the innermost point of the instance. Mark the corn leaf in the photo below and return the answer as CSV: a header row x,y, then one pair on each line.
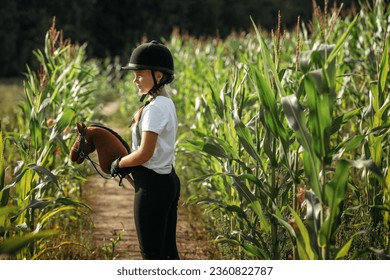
x,y
384,68
245,138
252,201
19,172
367,164
286,225
334,194
71,202
13,245
63,120
54,212
305,250
219,106
255,251
33,204
269,65
320,119
341,41
343,119
271,114
344,250
44,171
294,116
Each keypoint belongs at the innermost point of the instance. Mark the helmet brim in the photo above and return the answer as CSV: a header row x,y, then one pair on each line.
x,y
132,66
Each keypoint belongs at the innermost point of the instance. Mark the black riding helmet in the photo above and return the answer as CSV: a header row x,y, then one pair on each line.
x,y
152,56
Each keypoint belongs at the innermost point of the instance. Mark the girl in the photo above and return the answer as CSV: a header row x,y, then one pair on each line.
x,y
157,187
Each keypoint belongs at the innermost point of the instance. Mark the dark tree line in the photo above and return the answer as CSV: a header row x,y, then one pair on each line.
x,y
114,27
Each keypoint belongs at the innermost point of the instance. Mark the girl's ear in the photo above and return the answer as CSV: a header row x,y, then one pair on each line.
x,y
159,75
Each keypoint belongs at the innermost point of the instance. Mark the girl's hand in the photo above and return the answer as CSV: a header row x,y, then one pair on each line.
x,y
117,171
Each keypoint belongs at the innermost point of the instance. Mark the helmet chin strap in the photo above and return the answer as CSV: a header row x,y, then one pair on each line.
x,y
143,97
153,89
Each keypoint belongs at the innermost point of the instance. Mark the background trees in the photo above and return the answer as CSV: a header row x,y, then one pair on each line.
x,y
114,27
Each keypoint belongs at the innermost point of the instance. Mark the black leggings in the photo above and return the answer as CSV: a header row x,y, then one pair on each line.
x,y
155,213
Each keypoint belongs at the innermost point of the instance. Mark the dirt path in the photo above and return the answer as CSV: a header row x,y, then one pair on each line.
x,y
113,212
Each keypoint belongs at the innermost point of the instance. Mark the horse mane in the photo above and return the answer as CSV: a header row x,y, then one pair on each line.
x,y
116,135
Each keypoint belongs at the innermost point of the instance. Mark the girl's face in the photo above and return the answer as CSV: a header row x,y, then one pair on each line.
x,y
144,81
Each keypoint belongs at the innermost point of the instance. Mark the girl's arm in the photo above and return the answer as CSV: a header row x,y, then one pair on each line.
x,y
143,154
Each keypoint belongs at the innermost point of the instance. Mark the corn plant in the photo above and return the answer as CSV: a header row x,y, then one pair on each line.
x,y
280,148
44,184
109,251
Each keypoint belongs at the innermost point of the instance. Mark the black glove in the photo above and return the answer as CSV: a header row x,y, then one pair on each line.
x,y
117,171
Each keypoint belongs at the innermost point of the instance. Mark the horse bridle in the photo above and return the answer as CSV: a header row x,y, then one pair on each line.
x,y
83,140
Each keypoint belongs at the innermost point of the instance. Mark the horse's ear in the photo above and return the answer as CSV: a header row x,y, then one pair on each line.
x,y
80,126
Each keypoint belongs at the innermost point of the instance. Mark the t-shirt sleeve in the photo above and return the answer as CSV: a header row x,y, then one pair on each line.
x,y
153,119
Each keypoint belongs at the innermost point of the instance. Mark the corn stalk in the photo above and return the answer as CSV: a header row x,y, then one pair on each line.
x,y
41,186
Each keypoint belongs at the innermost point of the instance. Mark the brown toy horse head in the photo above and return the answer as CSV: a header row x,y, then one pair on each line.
x,y
108,144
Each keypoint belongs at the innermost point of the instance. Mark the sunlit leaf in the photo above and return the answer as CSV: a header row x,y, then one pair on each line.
x,y
63,120
44,171
305,249
13,245
335,194
255,251
245,138
384,67
295,119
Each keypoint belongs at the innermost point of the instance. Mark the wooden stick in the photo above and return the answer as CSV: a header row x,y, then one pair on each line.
x,y
130,179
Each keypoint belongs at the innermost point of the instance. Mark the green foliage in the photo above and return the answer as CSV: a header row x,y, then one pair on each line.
x,y
109,251
44,184
283,139
283,153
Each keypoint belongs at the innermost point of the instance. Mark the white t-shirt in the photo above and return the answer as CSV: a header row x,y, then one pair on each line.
x,y
159,116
